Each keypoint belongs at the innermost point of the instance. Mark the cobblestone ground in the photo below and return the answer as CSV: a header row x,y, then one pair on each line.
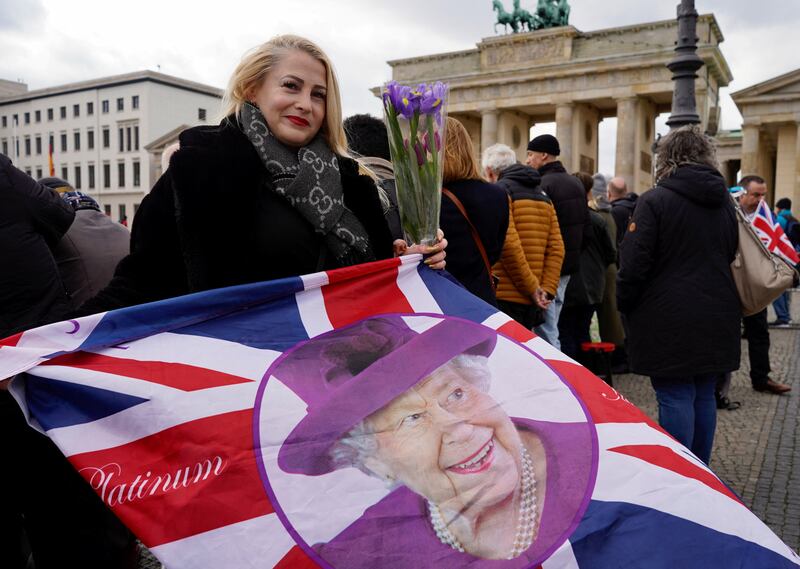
x,y
757,447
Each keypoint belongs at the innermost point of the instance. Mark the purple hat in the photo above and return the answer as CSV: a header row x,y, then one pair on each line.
x,y
347,374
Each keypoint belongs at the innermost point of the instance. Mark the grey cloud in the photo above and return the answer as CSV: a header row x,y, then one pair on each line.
x,y
21,15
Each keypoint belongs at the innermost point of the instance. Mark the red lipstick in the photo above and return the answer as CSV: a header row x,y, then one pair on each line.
x,y
299,121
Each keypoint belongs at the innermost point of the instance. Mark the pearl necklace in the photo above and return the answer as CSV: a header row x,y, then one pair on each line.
x,y
527,514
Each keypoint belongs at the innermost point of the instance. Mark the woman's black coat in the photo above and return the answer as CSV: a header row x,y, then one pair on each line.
x,y
211,221
487,207
675,290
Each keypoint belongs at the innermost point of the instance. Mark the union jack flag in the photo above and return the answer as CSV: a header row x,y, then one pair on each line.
x,y
170,412
772,235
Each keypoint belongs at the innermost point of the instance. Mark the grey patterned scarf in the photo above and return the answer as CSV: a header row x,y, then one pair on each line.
x,y
309,179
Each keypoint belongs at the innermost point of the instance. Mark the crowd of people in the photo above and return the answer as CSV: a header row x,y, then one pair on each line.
x,y
548,247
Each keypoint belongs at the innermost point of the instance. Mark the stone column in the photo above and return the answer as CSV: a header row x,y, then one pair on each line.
x,y
625,165
785,159
585,121
796,190
750,150
488,129
564,130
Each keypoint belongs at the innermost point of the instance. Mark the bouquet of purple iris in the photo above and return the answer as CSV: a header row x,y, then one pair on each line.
x,y
415,119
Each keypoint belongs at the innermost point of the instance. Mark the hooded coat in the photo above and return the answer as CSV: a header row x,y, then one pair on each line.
x,y
674,288
569,199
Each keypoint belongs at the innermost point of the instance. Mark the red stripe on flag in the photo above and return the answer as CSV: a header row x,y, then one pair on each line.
x,y
374,292
358,271
180,376
667,458
516,331
11,340
605,404
185,480
296,559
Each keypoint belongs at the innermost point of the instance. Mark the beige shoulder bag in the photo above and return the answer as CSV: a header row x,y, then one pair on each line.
x,y
760,275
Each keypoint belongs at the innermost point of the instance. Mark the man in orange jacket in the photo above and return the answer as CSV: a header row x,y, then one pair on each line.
x,y
537,226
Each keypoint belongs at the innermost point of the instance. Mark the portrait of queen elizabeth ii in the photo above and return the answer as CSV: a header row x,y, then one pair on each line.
x,y
465,484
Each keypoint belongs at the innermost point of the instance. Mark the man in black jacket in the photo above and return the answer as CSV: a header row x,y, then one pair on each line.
x,y
569,200
66,523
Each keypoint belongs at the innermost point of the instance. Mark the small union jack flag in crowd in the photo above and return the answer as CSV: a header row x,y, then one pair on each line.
x,y
771,233
350,419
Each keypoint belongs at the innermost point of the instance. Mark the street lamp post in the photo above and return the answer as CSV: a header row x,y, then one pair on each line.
x,y
684,68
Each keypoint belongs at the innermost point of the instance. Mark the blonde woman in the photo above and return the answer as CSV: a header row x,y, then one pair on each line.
x,y
268,193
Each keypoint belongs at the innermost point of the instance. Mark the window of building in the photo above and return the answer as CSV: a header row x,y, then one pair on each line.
x,y
121,174
38,144
38,116
76,110
90,139
135,208
62,112
77,180
122,215
49,114
27,146
15,120
201,114
121,139
91,176
28,171
5,121
106,137
51,143
27,118
128,138
90,108
120,104
5,147
106,175
63,142
77,140
38,172
107,209
136,137
136,174
135,102
104,105
64,173
16,146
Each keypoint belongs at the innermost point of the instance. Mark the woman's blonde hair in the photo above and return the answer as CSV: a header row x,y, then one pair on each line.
x,y
257,62
459,154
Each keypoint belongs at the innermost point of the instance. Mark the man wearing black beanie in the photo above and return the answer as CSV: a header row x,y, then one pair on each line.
x,y
569,200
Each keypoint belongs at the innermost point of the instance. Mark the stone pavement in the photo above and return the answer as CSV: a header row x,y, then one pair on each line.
x,y
757,447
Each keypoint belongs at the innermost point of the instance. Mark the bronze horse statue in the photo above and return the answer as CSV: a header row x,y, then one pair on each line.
x,y
548,14
504,17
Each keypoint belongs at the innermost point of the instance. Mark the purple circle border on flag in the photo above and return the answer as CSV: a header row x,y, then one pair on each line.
x,y
309,550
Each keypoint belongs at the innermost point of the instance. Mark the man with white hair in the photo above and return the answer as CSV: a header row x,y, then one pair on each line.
x,y
537,225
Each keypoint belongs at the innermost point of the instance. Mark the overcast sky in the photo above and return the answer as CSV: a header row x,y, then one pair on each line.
x,y
50,42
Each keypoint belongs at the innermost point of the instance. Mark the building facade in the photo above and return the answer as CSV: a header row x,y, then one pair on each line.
x,y
98,131
508,83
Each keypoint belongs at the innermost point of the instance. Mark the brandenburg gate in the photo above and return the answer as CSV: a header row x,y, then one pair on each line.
x,y
508,83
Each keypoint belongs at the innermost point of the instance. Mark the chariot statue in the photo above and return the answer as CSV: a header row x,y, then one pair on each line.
x,y
548,14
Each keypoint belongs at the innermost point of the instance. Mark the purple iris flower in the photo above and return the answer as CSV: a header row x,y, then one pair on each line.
x,y
432,98
391,94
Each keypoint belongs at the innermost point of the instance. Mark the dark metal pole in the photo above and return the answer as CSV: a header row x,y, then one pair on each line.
x,y
684,68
